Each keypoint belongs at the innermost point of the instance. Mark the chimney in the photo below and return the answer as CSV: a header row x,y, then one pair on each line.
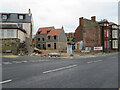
x,y
93,18
29,12
81,21
62,28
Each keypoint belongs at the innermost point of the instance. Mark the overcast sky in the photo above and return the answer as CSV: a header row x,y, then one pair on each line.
x,y
60,13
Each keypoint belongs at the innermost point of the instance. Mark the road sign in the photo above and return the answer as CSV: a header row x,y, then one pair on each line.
x,y
98,48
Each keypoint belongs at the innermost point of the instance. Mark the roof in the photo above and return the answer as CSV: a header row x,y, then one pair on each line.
x,y
11,26
55,32
44,30
13,17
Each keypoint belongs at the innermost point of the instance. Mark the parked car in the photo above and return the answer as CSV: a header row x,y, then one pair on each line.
x,y
54,54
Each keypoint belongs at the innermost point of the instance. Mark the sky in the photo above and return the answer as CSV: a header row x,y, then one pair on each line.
x,y
64,13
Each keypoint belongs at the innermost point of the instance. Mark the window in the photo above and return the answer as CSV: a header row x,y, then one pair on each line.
x,y
104,33
38,32
20,25
43,39
10,33
4,16
55,37
48,32
48,37
39,45
21,16
104,44
107,33
115,44
38,39
49,45
1,33
107,44
114,27
114,34
43,45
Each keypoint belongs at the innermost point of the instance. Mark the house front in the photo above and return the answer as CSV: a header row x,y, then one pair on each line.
x,y
56,40
11,36
21,20
114,36
41,37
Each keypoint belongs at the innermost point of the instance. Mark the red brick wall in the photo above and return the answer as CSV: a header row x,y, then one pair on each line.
x,y
78,34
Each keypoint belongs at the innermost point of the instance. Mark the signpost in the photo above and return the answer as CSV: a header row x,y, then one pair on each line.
x,y
98,48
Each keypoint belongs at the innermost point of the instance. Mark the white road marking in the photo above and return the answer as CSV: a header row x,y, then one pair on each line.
x,y
95,61
24,61
67,67
5,81
98,61
89,62
7,63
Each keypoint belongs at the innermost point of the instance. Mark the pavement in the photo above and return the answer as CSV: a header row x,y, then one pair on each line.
x,y
34,72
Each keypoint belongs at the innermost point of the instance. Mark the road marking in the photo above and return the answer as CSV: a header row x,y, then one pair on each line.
x,y
67,67
89,62
98,61
95,61
24,61
7,63
5,81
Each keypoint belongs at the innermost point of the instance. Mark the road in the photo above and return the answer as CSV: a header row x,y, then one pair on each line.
x,y
33,72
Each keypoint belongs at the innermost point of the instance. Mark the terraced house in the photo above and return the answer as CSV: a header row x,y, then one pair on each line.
x,y
16,32
49,38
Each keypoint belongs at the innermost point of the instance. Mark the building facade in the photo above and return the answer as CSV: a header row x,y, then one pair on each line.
x,y
56,40
41,37
114,36
15,24
49,38
87,34
109,33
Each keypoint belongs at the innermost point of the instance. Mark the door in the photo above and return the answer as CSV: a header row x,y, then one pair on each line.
x,y
54,45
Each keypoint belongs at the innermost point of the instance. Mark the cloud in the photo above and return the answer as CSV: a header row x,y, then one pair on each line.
x,y
60,13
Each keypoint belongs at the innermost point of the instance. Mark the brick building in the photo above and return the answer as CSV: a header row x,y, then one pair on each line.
x,y
109,35
87,34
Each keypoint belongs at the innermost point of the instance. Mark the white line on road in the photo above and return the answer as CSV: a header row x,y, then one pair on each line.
x,y
5,81
67,67
89,62
98,61
95,61
7,63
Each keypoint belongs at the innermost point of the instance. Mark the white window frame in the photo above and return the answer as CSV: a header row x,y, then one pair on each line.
x,y
10,33
114,33
4,16
21,17
115,44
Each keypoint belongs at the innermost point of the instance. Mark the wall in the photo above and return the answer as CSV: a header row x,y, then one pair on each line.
x,y
62,37
59,45
10,44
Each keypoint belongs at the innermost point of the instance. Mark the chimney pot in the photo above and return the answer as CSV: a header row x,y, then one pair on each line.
x,y
93,18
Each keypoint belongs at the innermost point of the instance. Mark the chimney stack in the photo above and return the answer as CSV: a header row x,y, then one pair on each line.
x,y
29,12
62,28
81,21
93,18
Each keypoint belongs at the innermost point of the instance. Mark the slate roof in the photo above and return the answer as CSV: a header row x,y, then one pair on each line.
x,y
13,17
11,26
